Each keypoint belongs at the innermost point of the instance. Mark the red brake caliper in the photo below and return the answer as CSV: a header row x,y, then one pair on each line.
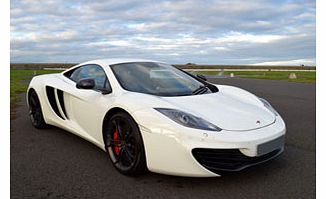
x,y
116,140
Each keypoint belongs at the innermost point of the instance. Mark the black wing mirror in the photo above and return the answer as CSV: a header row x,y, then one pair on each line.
x,y
202,77
86,84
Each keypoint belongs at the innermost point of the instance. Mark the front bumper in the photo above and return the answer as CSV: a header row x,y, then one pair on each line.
x,y
173,149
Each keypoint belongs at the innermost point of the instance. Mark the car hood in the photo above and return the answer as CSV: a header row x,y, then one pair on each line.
x,y
229,111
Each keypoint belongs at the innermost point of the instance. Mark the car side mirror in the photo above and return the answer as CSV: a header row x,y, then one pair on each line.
x,y
86,84
106,91
202,77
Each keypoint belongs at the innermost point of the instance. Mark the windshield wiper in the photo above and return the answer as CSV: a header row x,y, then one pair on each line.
x,y
200,90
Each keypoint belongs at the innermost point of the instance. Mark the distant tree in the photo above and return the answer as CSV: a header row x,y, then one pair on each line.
x,y
190,63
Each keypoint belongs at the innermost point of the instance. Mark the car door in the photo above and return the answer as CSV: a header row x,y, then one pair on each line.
x,y
87,108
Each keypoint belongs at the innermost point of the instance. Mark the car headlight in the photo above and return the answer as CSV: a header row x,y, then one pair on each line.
x,y
268,106
187,119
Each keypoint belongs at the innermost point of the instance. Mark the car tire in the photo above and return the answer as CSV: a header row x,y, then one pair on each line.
x,y
124,144
35,111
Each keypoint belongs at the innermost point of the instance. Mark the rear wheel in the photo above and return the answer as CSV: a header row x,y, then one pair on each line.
x,y
124,144
35,111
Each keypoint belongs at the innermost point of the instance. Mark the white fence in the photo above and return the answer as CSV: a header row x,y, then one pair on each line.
x,y
218,70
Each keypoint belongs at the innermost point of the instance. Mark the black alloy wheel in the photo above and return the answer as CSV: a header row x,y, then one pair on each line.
x,y
125,145
35,111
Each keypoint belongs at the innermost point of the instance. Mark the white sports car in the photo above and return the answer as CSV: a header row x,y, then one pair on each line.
x,y
151,115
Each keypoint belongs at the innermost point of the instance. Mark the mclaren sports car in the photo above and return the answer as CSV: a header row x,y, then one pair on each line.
x,y
149,115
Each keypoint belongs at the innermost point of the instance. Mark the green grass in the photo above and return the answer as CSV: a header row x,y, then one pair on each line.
x,y
19,81
302,76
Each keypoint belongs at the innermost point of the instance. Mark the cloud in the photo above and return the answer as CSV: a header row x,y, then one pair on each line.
x,y
208,31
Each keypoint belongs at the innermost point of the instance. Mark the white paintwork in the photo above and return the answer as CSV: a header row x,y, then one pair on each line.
x,y
167,144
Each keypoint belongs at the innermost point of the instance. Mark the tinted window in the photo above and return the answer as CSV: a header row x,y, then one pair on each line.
x,y
90,71
155,78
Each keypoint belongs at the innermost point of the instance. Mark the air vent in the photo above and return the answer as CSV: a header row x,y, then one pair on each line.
x,y
62,102
51,97
224,160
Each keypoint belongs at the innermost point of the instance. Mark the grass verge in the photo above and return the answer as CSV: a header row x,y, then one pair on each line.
x,y
302,76
18,84
19,81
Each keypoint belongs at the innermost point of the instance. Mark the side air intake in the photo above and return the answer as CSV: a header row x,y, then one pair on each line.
x,y
62,102
51,97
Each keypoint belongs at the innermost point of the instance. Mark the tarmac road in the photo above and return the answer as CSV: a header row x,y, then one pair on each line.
x,y
55,164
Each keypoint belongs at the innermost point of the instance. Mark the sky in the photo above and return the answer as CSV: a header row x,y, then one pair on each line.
x,y
264,32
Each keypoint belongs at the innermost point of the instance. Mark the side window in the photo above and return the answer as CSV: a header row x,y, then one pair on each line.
x,y
74,75
90,71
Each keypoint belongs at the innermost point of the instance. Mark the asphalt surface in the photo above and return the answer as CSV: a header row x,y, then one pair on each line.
x,y
53,163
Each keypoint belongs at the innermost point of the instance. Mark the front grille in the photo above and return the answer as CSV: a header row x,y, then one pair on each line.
x,y
221,160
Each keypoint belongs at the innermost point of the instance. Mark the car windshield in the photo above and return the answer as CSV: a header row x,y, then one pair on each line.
x,y
156,79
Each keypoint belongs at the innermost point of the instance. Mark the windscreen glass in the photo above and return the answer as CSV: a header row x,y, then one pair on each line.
x,y
155,78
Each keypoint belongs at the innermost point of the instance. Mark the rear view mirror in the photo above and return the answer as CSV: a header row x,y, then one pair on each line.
x,y
85,84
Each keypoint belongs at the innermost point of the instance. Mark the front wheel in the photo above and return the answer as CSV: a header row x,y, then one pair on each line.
x,y
124,144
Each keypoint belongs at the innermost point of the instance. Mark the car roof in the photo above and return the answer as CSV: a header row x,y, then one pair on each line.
x,y
112,61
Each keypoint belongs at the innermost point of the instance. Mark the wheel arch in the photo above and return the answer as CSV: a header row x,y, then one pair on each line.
x,y
107,117
29,91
